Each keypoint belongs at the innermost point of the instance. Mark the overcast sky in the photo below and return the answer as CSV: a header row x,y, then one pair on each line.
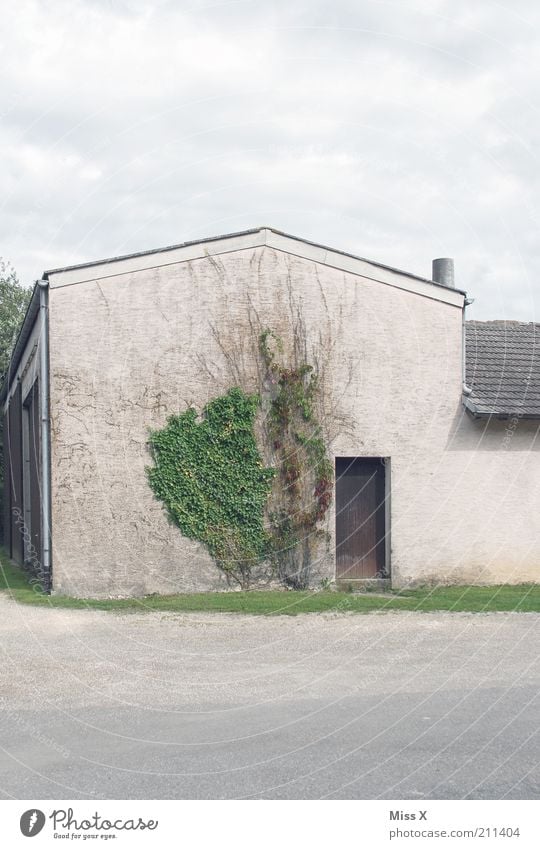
x,y
399,131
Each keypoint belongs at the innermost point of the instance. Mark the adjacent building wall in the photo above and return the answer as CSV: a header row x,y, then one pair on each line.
x,y
128,350
22,485
486,502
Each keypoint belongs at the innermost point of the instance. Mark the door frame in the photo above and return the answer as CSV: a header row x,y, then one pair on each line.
x,y
386,462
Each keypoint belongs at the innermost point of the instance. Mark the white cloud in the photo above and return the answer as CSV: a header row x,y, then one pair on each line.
x,y
397,131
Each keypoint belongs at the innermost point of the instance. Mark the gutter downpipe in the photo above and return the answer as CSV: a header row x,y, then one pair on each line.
x,y
465,389
45,431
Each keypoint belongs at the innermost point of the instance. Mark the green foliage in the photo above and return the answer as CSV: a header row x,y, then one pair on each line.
x,y
211,478
13,303
305,471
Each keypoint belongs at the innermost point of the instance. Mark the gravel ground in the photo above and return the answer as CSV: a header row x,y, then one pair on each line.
x,y
161,705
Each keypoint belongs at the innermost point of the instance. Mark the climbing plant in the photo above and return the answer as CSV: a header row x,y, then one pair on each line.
x,y
211,477
302,490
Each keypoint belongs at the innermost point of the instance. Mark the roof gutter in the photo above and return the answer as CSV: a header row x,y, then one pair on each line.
x,y
481,413
469,405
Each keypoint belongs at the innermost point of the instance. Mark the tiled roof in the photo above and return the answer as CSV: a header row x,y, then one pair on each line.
x,y
503,368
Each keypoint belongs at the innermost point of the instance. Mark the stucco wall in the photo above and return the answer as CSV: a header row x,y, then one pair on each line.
x,y
486,503
128,350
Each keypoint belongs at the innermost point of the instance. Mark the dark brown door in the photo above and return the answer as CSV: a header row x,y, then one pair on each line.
x,y
360,518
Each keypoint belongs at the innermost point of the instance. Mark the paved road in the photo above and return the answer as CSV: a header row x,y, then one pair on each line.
x,y
393,705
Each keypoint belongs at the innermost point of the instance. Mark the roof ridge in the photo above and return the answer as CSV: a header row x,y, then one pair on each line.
x,y
249,232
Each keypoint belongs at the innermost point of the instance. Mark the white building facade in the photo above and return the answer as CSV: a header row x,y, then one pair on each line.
x,y
437,469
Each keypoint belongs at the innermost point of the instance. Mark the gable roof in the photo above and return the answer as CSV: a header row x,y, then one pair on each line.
x,y
503,368
245,240
25,330
214,246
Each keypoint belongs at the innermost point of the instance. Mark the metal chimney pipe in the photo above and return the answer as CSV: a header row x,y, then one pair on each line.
x,y
443,272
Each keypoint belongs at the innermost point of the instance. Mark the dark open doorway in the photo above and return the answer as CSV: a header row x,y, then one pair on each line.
x,y
32,479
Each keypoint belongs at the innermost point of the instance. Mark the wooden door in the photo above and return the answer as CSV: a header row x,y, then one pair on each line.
x,y
360,518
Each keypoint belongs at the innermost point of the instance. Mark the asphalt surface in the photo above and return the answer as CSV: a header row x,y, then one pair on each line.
x,y
162,705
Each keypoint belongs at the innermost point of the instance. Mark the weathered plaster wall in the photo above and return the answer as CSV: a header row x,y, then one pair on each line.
x,y
485,504
128,350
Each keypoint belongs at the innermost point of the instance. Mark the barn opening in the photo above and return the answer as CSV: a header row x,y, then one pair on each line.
x,y
31,479
362,518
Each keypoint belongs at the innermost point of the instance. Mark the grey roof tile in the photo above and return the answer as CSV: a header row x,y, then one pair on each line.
x,y
503,368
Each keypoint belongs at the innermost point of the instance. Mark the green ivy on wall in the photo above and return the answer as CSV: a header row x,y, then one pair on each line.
x,y
303,488
211,477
